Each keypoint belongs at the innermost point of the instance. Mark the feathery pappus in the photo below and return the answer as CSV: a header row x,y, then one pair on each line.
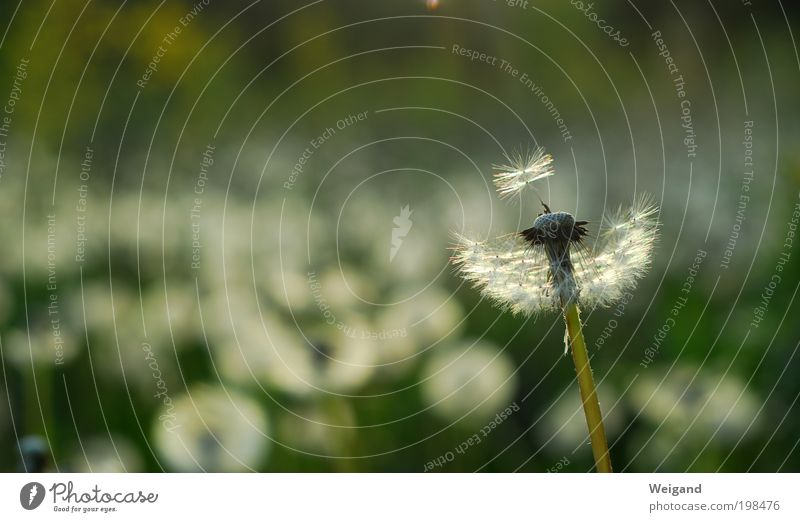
x,y
521,170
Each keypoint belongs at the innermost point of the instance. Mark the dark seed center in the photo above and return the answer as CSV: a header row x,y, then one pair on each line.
x,y
554,226
555,231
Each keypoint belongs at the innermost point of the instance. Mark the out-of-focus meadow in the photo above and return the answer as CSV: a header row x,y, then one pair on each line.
x,y
226,226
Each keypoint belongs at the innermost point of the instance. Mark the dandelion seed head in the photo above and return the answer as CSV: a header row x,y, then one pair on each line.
x,y
520,171
534,270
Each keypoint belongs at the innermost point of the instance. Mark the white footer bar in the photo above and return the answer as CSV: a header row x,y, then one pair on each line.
x,y
401,497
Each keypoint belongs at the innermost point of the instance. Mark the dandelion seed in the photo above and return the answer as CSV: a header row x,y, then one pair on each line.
x,y
521,171
621,257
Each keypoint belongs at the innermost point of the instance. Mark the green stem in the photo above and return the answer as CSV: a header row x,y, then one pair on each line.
x,y
591,406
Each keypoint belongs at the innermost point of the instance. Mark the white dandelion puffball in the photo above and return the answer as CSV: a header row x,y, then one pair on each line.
x,y
520,171
211,429
471,381
535,270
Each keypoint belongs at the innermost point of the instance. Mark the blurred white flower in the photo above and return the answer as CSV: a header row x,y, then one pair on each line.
x,y
521,171
473,381
344,288
413,325
115,334
343,356
171,314
262,251
49,245
244,352
564,425
707,404
475,209
136,229
420,258
213,430
104,455
287,288
94,310
42,346
533,271
335,358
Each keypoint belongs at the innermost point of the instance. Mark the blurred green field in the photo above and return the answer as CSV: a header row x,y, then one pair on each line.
x,y
199,202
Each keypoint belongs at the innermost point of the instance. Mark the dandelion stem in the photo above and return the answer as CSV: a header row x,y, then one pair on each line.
x,y
591,406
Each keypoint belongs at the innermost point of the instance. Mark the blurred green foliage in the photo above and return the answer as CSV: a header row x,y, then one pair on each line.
x,y
256,376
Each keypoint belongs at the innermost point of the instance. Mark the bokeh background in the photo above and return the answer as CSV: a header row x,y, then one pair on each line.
x,y
197,267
